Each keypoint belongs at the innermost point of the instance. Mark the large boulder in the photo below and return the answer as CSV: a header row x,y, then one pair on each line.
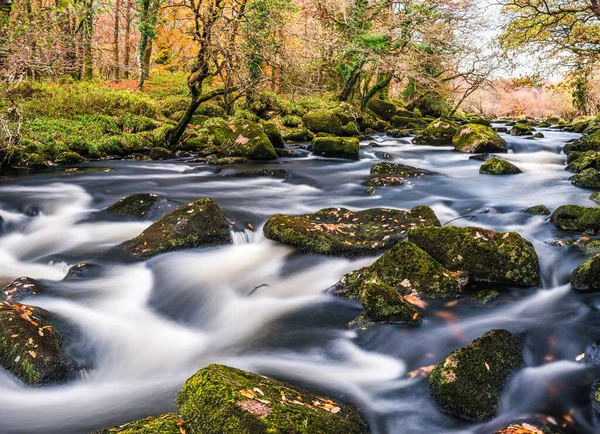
x,y
521,129
477,139
589,178
249,141
197,224
468,382
576,218
408,270
336,147
502,258
584,144
438,133
273,134
384,109
323,121
342,232
580,161
30,347
586,277
498,166
220,399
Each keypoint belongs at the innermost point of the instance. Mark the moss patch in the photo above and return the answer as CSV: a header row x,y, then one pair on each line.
x,y
197,224
323,121
537,210
589,178
469,381
521,129
136,205
586,277
169,423
336,147
342,232
249,141
220,399
498,166
576,218
487,256
475,138
438,133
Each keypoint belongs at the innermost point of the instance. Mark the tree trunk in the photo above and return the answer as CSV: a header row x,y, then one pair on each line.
x,y
5,10
350,83
383,83
116,59
88,34
127,42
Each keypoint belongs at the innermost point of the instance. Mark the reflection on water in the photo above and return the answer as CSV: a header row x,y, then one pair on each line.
x,y
145,328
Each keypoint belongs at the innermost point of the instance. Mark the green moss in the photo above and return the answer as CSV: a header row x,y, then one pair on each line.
x,y
342,232
220,399
159,153
498,166
292,121
297,135
273,134
537,210
336,147
382,304
383,109
68,158
586,143
589,178
197,224
576,218
126,144
595,197
215,132
408,270
30,347
487,256
400,170
410,123
586,277
351,129
438,133
479,121
469,381
249,141
521,129
580,161
168,423
131,123
475,138
323,121
270,173
136,205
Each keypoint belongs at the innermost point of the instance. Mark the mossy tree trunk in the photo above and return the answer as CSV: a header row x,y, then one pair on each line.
x,y
382,84
148,14
351,82
116,34
88,35
127,36
5,10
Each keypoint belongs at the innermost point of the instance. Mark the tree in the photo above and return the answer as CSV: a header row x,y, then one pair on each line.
x,y
148,17
5,10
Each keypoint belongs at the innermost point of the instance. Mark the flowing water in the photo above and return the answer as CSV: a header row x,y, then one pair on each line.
x,y
144,328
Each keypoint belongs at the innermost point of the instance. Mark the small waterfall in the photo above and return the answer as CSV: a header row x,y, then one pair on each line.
x,y
245,237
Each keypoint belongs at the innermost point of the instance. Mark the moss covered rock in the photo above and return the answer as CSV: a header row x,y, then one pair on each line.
x,y
584,144
384,109
342,232
438,133
249,141
336,147
169,423
220,399
595,197
410,123
586,277
537,210
292,121
498,166
159,153
468,382
479,121
132,123
30,347
595,398
477,139
215,132
68,157
351,129
259,173
197,224
273,134
580,161
521,129
323,121
21,288
137,206
576,218
297,135
589,178
400,170
503,258
408,270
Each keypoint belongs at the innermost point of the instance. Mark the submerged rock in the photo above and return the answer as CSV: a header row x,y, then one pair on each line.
x,y
576,218
438,133
137,206
197,224
478,139
586,277
258,173
30,347
336,147
502,258
498,166
589,178
342,232
399,170
468,382
20,289
481,157
537,210
220,399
